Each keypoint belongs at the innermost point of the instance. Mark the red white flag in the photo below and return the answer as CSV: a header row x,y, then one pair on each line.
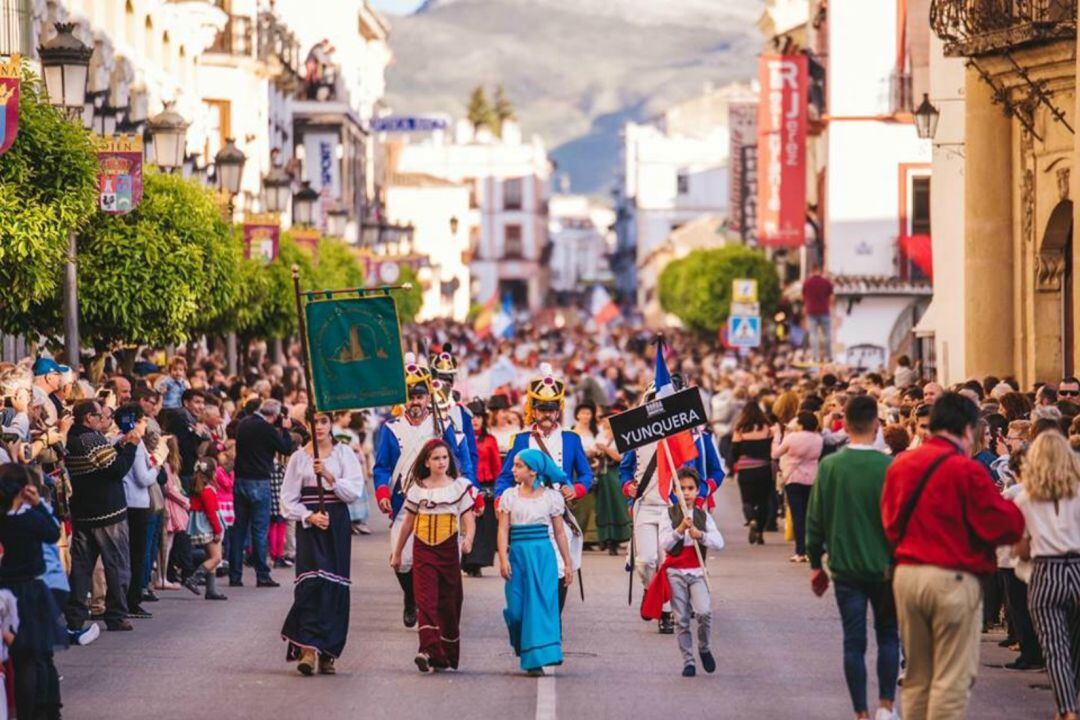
x,y
781,155
682,449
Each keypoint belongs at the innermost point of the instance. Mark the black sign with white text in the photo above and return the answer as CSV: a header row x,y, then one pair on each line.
x,y
658,419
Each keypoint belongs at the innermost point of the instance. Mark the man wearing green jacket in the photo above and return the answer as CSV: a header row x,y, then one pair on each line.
x,y
844,522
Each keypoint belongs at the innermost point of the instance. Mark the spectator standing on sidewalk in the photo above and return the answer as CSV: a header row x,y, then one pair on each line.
x,y
259,437
844,521
944,516
99,515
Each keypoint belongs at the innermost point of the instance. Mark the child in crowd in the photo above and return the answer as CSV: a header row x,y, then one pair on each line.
x,y
173,385
206,527
681,577
26,523
438,505
224,479
531,528
177,507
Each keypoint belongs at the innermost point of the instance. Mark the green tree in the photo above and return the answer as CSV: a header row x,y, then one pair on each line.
x,y
503,109
336,266
272,314
480,112
408,301
697,288
161,273
48,181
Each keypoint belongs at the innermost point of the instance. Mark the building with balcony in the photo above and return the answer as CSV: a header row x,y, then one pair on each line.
x,y
581,241
1014,253
507,221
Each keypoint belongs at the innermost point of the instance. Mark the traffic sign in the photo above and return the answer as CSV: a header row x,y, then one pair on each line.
x,y
744,290
407,124
744,331
745,308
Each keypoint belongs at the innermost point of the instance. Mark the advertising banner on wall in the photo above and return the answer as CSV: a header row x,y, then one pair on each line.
x,y
742,128
781,155
262,232
307,239
9,101
323,169
120,184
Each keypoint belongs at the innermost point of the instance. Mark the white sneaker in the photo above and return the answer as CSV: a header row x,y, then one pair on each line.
x,y
883,714
85,636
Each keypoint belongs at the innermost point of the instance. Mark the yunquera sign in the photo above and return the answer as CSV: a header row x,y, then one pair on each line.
x,y
658,419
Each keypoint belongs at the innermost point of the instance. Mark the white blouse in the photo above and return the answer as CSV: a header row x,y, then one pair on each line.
x,y
535,510
1053,531
342,463
453,499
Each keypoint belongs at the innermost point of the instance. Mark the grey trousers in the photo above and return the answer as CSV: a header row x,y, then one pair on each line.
x,y
110,543
689,592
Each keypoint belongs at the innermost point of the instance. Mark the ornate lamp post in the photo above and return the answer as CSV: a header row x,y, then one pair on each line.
x,y
926,119
229,162
169,131
337,221
304,204
277,189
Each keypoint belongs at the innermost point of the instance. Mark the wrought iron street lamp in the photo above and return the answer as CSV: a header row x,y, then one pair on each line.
x,y
337,220
229,162
304,204
169,130
65,62
277,189
926,119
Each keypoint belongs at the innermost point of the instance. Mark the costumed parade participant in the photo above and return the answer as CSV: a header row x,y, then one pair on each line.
x,y
318,622
639,474
532,547
444,368
487,525
399,444
543,412
437,503
681,579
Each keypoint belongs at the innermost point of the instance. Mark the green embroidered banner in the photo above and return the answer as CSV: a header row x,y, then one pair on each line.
x,y
356,359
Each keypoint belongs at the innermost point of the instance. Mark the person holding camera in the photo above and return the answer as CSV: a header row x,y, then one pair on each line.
x,y
99,514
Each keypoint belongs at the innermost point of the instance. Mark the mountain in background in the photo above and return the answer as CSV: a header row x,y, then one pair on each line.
x,y
575,70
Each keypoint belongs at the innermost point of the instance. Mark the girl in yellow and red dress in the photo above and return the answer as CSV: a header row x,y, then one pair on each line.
x,y
438,505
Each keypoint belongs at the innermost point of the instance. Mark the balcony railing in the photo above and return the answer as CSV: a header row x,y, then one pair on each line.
x,y
236,38
981,27
277,42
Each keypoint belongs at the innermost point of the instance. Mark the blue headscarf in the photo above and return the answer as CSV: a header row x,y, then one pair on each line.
x,y
547,472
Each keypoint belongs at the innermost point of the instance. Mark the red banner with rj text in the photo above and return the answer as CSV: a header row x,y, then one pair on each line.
x,y
781,154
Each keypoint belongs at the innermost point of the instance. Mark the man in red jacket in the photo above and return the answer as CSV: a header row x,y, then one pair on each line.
x,y
944,517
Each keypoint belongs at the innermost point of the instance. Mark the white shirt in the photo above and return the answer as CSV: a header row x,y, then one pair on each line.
x,y
300,473
713,540
553,442
453,499
537,509
1054,531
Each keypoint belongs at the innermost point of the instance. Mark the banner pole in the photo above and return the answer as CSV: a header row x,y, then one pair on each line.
x,y
306,360
686,513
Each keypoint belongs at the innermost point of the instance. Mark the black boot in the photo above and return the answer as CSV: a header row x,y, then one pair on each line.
x,y
211,588
409,615
667,626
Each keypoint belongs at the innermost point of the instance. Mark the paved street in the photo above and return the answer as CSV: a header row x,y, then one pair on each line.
x,y
777,646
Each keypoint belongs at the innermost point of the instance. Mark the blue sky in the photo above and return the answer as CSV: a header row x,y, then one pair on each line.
x,y
398,7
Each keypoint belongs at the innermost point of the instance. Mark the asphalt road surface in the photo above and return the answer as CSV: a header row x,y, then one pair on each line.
x,y
778,650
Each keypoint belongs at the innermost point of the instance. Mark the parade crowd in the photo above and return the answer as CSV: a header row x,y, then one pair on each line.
x,y
945,513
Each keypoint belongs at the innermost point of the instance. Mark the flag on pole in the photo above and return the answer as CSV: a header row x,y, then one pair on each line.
x,y
486,315
681,447
602,307
502,323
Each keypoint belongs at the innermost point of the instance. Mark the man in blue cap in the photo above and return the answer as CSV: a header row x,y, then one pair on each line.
x,y
49,376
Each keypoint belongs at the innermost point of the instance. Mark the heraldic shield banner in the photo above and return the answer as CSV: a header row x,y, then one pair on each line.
x,y
9,102
356,359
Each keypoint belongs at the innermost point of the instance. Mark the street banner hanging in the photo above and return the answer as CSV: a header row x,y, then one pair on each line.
x,y
307,239
781,152
742,133
262,233
658,419
356,359
120,184
9,102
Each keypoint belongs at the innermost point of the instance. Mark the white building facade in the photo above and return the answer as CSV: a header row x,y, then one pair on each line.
x,y
581,239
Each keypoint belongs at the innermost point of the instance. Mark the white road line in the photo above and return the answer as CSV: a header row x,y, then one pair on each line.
x,y
545,695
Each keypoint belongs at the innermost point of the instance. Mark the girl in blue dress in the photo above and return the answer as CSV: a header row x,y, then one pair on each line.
x,y
531,530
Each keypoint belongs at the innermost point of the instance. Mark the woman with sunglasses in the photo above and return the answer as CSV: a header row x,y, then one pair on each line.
x,y
318,622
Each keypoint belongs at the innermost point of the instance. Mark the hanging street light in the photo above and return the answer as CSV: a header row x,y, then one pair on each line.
x,y
169,131
65,62
277,189
337,220
926,119
304,204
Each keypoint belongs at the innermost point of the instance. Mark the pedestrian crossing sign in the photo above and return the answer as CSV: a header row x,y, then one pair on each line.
x,y
744,331
744,290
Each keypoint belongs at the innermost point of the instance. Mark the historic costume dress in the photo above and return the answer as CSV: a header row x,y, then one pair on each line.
x,y
436,566
319,617
612,514
532,597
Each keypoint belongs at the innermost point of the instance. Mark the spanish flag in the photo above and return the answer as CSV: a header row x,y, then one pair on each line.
x,y
486,316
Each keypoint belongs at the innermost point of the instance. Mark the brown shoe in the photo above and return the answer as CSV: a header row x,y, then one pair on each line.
x,y
306,666
326,665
